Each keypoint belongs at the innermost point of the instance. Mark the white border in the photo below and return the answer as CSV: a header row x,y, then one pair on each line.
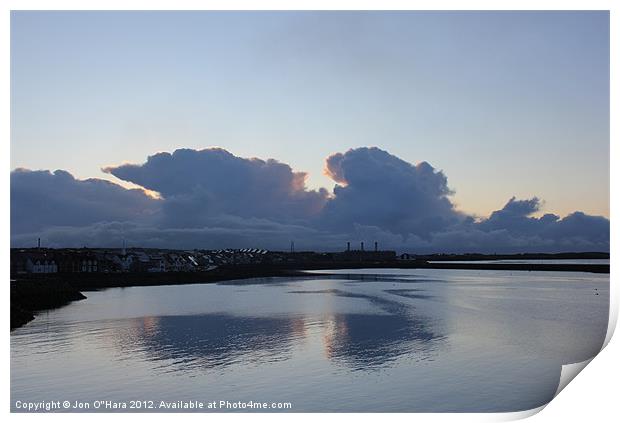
x,y
592,396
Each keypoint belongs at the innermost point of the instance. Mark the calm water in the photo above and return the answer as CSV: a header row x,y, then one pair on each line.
x,y
402,340
542,261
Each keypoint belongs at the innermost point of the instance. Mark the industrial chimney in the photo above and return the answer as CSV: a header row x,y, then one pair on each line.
x,y
348,246
362,245
376,246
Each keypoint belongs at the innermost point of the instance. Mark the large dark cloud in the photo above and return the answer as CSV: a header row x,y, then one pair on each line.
x,y
42,199
379,189
213,199
200,184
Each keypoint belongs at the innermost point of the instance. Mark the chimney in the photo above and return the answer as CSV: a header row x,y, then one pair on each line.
x,y
38,242
376,246
348,245
362,245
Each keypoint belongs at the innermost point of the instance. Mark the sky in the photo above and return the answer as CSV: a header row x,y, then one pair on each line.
x,y
500,104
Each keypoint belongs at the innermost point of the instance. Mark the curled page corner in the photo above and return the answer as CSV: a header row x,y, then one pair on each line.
x,y
567,374
569,371
519,415
613,318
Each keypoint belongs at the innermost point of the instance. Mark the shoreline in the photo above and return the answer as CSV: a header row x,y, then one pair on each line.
x,y
31,294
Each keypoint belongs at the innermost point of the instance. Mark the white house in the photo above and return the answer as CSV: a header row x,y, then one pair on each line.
x,y
41,266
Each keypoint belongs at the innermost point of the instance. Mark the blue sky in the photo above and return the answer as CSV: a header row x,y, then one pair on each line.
x,y
505,103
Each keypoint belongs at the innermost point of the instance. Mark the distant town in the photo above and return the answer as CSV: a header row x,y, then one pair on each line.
x,y
40,260
46,278
149,260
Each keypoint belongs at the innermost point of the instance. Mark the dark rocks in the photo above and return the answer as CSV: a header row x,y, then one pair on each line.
x,y
19,316
30,296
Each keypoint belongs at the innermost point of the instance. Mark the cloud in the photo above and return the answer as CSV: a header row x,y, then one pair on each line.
x,y
515,217
42,199
213,199
225,232
577,231
519,208
199,184
379,189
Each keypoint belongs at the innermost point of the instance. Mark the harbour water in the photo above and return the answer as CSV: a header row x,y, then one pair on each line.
x,y
383,340
528,261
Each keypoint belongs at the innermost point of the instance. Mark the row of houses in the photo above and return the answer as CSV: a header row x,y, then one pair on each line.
x,y
87,260
47,261
37,260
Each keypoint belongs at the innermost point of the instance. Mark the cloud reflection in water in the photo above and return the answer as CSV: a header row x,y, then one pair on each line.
x,y
359,341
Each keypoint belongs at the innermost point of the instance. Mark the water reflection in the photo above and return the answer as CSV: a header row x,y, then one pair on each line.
x,y
369,341
478,341
211,340
410,293
359,341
